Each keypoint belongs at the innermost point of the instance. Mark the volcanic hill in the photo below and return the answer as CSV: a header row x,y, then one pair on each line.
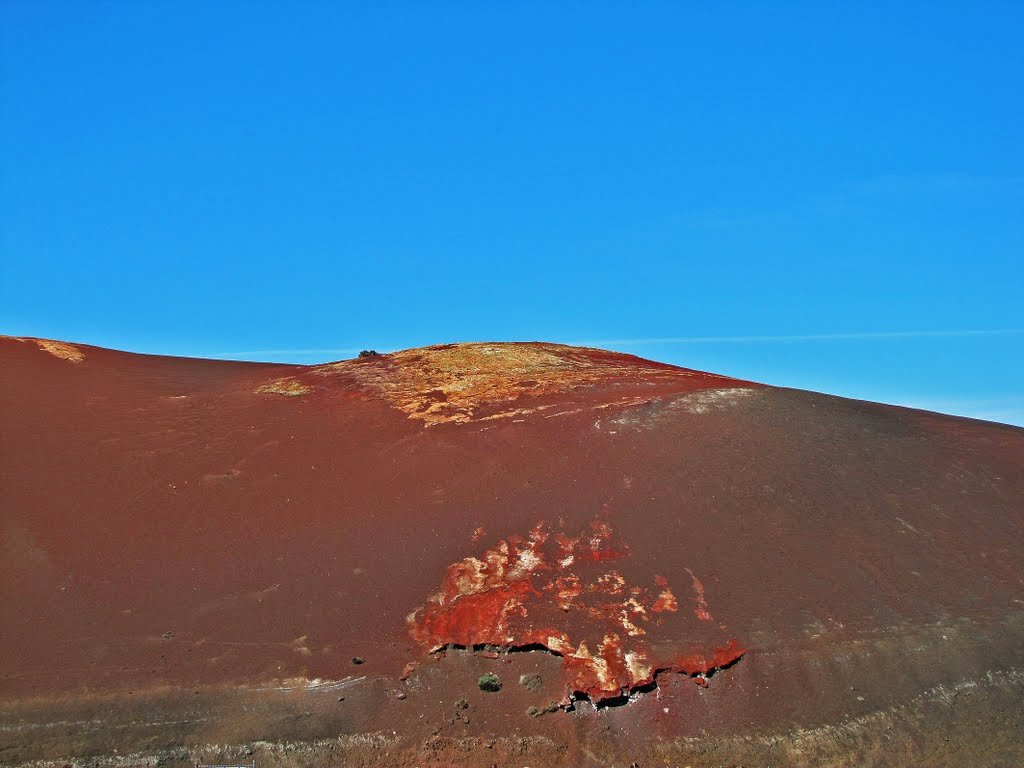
x,y
496,554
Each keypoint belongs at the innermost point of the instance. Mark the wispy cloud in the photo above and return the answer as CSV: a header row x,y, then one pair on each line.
x,y
1012,416
932,183
1008,408
855,336
1005,415
1006,400
282,353
656,340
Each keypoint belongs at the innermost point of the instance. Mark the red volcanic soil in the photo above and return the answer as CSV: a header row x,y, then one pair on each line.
x,y
208,561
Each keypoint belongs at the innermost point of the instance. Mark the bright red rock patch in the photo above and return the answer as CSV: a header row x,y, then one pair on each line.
x,y
563,592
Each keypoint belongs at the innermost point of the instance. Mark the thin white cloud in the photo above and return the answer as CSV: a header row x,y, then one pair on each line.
x,y
1008,409
284,353
799,337
971,402
1011,416
677,340
935,182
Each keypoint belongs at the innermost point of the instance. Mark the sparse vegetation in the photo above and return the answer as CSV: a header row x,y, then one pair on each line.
x,y
531,682
369,353
287,386
489,683
538,711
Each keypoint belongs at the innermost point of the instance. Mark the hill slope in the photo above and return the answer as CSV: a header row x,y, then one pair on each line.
x,y
697,556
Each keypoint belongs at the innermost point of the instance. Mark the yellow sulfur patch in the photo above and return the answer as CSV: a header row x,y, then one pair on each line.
x,y
61,350
287,386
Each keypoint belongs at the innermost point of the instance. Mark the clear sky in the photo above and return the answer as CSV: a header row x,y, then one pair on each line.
x,y
821,195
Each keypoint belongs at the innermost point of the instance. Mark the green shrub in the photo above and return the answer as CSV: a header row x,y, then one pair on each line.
x,y
489,683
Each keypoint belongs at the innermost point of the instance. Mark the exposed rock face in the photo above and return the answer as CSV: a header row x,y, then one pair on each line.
x,y
201,553
563,593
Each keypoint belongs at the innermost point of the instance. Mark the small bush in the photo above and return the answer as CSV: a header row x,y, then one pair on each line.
x,y
539,711
369,353
532,682
489,683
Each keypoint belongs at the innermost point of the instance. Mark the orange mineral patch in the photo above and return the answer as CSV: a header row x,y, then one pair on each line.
x,y
701,610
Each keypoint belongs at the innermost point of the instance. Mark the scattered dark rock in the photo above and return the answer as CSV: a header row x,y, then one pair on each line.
x,y
358,660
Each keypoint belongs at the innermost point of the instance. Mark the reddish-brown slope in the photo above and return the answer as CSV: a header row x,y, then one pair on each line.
x,y
182,523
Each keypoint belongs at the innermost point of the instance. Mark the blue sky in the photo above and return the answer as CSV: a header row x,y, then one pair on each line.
x,y
821,195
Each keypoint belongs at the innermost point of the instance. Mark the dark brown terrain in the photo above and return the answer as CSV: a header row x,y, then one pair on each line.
x,y
209,561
